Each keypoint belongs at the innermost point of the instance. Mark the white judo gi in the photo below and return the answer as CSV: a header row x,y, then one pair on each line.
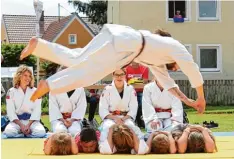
x,y
17,103
154,98
75,104
114,47
111,101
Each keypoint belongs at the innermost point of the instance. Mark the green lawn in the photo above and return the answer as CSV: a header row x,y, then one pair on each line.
x,y
222,114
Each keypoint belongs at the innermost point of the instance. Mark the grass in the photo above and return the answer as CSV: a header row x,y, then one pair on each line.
x,y
224,115
225,120
213,109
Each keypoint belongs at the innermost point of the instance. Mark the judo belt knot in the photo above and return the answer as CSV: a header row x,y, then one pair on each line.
x,y
118,112
66,115
162,110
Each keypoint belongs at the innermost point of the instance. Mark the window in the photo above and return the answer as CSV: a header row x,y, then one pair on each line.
x,y
209,57
173,6
208,10
72,39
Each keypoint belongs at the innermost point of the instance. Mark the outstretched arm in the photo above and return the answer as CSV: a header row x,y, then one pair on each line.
x,y
186,63
168,83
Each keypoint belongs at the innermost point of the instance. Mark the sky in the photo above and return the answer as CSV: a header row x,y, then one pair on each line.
x,y
25,7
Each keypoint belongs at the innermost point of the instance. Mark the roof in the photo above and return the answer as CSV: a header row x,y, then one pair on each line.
x,y
20,28
56,27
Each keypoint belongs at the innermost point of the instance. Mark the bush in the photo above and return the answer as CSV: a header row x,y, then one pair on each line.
x,y
49,67
3,109
45,105
11,55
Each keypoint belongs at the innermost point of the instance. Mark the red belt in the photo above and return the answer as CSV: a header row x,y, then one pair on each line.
x,y
118,112
66,115
162,110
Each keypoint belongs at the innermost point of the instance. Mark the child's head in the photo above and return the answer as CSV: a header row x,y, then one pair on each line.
x,y
161,144
61,144
122,138
196,142
176,134
88,140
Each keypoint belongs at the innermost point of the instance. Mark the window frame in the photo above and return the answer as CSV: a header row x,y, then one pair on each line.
x,y
219,57
188,11
69,39
209,19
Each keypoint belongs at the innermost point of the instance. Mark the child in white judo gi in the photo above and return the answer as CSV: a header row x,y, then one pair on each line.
x,y
24,115
67,110
115,47
161,110
118,105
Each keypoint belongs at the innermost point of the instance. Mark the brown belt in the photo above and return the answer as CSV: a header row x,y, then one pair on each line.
x,y
142,48
66,115
117,112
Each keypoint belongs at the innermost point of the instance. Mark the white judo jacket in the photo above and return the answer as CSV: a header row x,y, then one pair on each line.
x,y
18,102
61,103
110,101
153,98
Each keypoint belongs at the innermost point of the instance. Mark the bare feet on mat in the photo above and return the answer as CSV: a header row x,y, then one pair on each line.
x,y
42,89
28,50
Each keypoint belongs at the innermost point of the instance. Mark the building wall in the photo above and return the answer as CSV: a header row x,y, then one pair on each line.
x,y
3,32
151,15
83,36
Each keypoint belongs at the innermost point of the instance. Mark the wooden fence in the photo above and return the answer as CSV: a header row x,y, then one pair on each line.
x,y
217,92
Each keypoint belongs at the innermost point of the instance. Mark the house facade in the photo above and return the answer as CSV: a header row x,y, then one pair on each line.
x,y
207,30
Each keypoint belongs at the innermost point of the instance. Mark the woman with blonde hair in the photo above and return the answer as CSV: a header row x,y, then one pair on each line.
x,y
24,114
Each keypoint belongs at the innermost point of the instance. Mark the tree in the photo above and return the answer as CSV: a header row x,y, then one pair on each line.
x,y
95,10
11,55
50,68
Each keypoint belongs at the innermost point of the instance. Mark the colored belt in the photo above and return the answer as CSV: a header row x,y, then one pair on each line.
x,y
117,112
162,110
24,116
66,115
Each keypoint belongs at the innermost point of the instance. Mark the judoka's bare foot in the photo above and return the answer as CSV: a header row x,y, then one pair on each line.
x,y
42,89
28,50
